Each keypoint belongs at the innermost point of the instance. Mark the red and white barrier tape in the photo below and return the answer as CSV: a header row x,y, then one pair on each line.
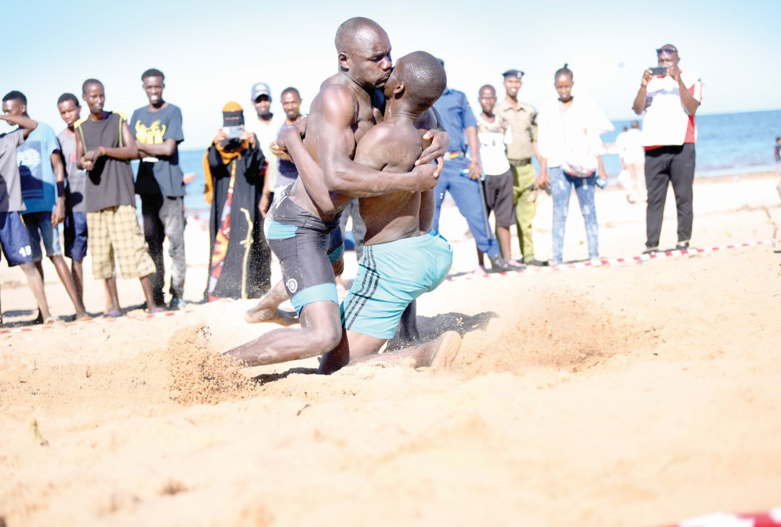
x,y
770,519
613,261
98,320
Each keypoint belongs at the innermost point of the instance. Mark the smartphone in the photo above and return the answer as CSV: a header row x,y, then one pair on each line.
x,y
601,182
234,132
658,70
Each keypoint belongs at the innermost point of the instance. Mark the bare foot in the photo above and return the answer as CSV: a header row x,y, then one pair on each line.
x,y
445,351
259,314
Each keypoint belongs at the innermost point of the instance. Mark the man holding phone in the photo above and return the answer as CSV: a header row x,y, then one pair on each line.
x,y
667,99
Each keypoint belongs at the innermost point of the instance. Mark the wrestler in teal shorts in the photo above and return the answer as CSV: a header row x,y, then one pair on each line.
x,y
390,276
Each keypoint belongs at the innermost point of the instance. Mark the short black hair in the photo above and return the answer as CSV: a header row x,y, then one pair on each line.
x,y
14,95
88,82
152,72
484,86
68,97
290,90
348,31
424,78
564,71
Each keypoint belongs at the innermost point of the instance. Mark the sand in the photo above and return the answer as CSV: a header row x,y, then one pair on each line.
x,y
625,395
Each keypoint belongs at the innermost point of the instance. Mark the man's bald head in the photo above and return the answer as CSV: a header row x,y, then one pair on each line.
x,y
424,79
355,30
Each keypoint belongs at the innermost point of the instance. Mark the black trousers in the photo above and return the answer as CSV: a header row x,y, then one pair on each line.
x,y
669,164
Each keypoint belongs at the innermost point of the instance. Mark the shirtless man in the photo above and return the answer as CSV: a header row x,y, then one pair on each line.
x,y
402,257
302,226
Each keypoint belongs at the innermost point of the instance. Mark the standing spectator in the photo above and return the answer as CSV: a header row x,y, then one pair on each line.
x,y
570,150
668,103
494,133
777,155
14,239
158,132
76,232
265,127
523,122
234,183
286,170
106,146
462,177
42,176
632,156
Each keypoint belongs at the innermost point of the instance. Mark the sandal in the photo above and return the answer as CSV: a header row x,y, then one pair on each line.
x,y
49,321
112,313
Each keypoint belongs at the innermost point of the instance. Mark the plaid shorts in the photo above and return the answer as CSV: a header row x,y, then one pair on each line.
x,y
115,231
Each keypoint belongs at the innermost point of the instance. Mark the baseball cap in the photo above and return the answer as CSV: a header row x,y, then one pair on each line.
x,y
513,73
260,88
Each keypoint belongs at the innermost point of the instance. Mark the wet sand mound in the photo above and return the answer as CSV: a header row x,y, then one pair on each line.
x,y
558,332
201,375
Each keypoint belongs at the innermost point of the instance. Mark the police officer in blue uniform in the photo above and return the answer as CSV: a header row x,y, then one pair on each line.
x,y
462,177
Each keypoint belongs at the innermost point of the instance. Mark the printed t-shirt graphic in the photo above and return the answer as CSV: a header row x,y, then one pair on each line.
x,y
36,174
159,174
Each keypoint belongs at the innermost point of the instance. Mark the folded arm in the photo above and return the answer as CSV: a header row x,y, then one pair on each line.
x,y
166,149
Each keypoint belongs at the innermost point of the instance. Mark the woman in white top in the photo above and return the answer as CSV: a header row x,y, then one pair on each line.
x,y
570,156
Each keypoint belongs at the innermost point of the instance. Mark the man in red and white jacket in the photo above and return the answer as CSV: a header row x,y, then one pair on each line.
x,y
668,104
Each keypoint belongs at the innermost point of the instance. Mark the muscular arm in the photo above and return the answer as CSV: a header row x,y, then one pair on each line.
x,y
166,149
129,151
639,105
335,144
475,170
642,94
432,123
58,215
25,123
79,152
689,102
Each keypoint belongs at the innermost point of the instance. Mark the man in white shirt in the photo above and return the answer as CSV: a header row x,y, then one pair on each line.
x,y
493,133
668,100
632,155
266,126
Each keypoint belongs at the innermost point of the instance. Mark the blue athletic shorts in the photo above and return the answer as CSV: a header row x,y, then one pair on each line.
x,y
306,246
390,276
40,229
14,239
76,235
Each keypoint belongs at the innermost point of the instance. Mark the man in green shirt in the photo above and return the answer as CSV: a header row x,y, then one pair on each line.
x,y
523,122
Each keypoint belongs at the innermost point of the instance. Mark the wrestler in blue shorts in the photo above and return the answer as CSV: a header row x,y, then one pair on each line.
x,y
390,276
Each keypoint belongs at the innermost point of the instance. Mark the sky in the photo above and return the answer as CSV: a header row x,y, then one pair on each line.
x,y
211,55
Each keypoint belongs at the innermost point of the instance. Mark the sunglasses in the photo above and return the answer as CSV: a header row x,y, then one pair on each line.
x,y
666,50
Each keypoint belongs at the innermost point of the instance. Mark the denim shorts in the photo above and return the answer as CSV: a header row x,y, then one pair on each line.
x,y
40,228
76,235
14,239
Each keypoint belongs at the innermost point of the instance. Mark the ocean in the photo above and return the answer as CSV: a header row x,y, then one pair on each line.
x,y
727,144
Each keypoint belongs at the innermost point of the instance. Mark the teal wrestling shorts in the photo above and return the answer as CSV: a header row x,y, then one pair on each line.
x,y
390,276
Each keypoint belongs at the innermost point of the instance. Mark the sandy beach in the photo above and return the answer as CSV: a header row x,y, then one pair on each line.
x,y
631,394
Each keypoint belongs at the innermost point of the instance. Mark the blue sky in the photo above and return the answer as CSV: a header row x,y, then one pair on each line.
x,y
211,55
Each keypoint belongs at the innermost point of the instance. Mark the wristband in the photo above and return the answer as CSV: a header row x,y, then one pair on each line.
x,y
102,150
61,189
